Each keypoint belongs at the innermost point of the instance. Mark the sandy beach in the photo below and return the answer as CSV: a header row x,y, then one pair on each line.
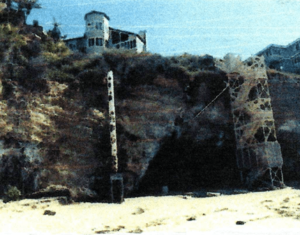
x,y
274,210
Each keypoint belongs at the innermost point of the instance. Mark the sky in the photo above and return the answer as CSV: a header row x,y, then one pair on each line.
x,y
174,27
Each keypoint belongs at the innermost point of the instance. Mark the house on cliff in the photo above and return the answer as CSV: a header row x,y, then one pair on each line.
x,y
284,58
98,36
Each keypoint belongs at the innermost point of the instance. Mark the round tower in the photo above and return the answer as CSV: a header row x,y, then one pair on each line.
x,y
97,31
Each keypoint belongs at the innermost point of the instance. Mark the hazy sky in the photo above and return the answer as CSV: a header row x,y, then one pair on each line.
x,y
213,27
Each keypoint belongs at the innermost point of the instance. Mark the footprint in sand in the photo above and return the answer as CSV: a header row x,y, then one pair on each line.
x,y
223,209
139,211
102,231
137,230
45,201
49,212
155,223
108,230
261,218
266,201
191,218
120,227
286,200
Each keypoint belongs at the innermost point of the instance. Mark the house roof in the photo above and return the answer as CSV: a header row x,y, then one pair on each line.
x,y
270,46
122,31
96,12
71,39
278,46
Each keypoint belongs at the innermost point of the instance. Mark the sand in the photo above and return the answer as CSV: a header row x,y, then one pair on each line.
x,y
273,210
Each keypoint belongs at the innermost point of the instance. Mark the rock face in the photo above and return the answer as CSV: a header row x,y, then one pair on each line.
x,y
284,90
19,165
43,136
55,125
56,132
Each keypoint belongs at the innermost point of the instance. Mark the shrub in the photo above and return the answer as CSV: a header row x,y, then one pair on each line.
x,y
58,75
54,52
10,41
12,194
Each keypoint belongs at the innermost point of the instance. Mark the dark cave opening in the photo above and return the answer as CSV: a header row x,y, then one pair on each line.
x,y
185,164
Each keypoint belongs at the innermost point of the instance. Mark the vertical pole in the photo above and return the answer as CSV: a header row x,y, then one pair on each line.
x,y
116,179
281,174
271,177
112,123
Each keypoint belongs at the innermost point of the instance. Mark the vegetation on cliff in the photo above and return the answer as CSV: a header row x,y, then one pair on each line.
x,y
54,127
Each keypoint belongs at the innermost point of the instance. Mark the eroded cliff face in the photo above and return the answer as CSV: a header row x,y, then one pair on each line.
x,y
284,90
55,127
44,135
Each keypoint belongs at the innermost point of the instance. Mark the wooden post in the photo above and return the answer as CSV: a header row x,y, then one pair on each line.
x,y
116,188
112,124
116,179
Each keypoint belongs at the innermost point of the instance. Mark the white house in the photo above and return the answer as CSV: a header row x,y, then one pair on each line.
x,y
98,36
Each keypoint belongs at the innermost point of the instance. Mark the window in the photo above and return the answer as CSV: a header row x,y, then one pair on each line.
x,y
91,42
99,42
134,43
115,36
124,37
98,25
88,27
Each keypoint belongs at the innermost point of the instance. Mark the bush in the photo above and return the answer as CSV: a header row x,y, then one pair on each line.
x,y
12,194
54,52
58,75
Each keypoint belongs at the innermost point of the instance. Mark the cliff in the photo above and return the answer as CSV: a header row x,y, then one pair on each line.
x,y
55,126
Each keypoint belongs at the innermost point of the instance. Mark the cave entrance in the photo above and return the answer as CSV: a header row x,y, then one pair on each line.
x,y
185,164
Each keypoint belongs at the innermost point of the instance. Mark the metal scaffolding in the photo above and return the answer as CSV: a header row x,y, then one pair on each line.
x,y
258,152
